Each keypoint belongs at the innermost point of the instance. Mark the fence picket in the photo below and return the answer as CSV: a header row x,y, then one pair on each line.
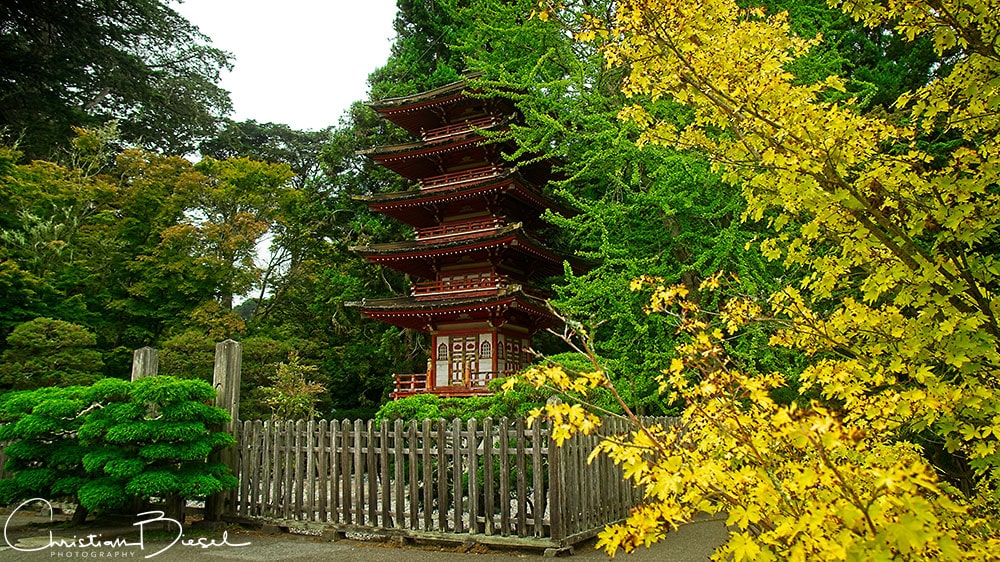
x,y
428,478
346,459
371,474
386,494
411,436
335,516
538,474
504,433
301,465
322,472
522,485
244,452
442,472
489,506
398,469
473,474
456,476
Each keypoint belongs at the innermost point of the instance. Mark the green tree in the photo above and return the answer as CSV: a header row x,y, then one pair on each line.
x,y
153,438
81,63
270,142
104,445
292,395
239,204
45,352
422,56
44,455
146,293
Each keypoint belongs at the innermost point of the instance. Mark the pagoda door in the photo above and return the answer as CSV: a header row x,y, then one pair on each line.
x,y
463,356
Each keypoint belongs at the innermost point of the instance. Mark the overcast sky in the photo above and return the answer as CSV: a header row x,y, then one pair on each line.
x,y
297,62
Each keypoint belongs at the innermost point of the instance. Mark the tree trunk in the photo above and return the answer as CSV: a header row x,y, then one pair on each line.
x,y
80,515
175,508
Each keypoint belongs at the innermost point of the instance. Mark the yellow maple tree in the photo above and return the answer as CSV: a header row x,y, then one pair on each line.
x,y
898,311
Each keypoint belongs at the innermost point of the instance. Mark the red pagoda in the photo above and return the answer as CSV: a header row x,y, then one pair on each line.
x,y
476,248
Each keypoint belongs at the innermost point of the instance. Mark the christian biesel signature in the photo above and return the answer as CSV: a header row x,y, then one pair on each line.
x,y
94,541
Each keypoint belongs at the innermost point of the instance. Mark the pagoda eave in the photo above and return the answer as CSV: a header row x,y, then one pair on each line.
x,y
421,159
421,315
417,207
413,257
414,112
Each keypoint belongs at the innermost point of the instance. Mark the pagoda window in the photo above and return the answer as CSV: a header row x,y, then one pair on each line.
x,y
442,352
485,350
500,350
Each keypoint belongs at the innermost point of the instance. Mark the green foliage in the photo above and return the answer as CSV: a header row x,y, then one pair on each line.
x,y
189,354
104,444
293,396
48,352
422,57
44,455
66,64
516,403
270,142
155,442
877,63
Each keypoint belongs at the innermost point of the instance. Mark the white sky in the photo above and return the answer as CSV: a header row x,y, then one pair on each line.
x,y
297,62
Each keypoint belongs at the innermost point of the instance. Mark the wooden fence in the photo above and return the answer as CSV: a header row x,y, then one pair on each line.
x,y
489,481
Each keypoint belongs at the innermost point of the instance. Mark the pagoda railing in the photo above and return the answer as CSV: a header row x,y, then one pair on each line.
x,y
458,228
455,129
408,384
458,178
470,286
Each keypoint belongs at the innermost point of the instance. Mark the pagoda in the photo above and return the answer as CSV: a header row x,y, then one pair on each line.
x,y
476,253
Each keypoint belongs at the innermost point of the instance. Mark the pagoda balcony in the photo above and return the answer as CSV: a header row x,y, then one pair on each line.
x,y
458,129
410,384
458,178
458,229
471,286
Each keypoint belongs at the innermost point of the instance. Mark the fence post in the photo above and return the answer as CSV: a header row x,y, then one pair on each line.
x,y
557,476
145,363
226,380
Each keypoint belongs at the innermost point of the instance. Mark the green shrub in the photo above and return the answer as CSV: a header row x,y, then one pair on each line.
x,y
107,444
44,352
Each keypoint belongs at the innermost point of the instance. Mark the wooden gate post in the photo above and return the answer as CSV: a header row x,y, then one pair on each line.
x,y
226,380
145,363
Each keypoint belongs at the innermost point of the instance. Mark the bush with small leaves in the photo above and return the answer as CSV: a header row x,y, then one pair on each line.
x,y
44,454
155,442
110,443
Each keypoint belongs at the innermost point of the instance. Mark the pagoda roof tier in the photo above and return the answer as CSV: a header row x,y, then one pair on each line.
x,y
482,189
509,305
426,158
506,244
430,109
